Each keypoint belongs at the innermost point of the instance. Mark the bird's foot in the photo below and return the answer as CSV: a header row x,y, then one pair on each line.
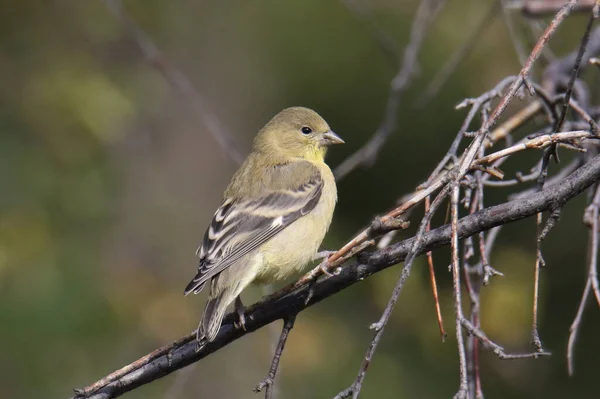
x,y
241,322
317,271
323,267
240,309
201,341
324,256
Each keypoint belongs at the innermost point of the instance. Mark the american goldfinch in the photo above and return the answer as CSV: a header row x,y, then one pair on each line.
x,y
273,217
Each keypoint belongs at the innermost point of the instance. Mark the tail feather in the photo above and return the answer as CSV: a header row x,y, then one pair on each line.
x,y
211,320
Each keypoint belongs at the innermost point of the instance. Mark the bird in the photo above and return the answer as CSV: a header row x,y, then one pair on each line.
x,y
273,217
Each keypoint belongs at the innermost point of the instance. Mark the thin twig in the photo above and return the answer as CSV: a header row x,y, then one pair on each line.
x,y
463,389
476,310
386,43
451,64
552,181
539,262
510,125
434,288
367,154
269,381
591,285
512,33
537,142
475,104
379,327
178,81
574,329
494,347
586,117
541,8
483,272
558,73
576,67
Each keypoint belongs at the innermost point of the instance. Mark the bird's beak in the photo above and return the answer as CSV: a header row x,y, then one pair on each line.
x,y
330,138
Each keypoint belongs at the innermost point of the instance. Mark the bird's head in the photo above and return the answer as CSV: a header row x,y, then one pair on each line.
x,y
297,132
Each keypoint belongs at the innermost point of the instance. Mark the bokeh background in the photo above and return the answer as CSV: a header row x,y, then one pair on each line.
x,y
108,180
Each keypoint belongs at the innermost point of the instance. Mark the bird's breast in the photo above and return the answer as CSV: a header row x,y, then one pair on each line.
x,y
291,250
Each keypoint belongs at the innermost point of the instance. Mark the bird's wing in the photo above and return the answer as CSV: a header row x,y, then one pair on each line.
x,y
241,225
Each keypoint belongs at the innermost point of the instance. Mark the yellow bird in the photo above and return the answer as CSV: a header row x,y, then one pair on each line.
x,y
273,218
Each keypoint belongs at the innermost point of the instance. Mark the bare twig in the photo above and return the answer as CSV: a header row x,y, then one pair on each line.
x,y
354,389
552,181
386,43
558,73
476,104
497,349
450,66
367,154
269,381
591,285
463,392
434,288
539,262
574,329
576,67
475,277
512,33
541,8
520,118
178,81
537,142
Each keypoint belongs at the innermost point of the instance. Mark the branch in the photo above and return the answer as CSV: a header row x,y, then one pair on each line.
x,y
182,352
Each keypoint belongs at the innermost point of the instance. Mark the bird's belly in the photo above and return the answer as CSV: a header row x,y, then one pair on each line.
x,y
291,250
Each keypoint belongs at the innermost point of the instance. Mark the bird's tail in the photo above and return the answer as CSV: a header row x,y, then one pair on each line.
x,y
211,319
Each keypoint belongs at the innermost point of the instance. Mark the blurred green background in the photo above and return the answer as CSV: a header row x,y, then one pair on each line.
x,y
109,180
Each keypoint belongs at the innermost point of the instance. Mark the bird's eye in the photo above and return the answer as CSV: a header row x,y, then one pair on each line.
x,y
306,130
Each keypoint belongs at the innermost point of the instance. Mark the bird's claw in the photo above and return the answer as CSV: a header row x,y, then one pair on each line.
x,y
323,254
200,344
323,267
241,322
241,312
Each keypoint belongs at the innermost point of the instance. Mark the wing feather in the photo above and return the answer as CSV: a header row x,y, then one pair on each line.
x,y
241,225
